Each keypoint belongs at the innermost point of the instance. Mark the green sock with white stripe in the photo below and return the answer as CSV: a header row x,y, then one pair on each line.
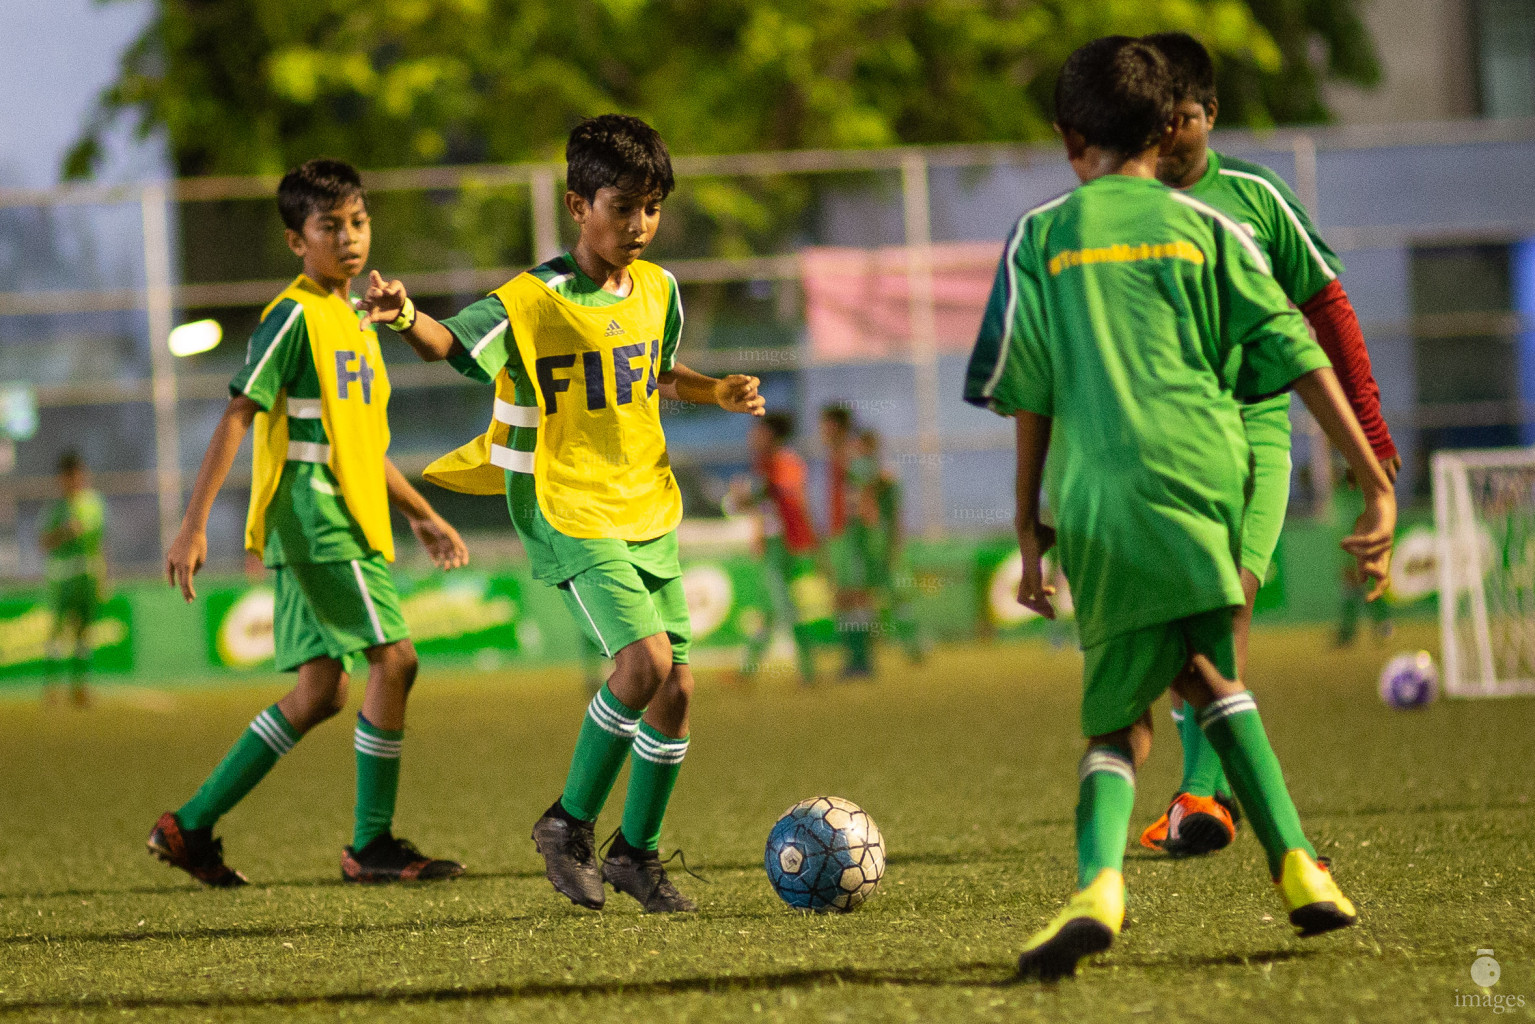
x,y
606,735
653,768
1202,773
253,755
1105,799
378,780
1236,733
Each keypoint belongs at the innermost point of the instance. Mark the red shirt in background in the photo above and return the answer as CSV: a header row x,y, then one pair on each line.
x,y
788,514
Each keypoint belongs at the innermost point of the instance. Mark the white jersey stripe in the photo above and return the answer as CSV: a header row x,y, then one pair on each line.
x,y
490,336
1231,226
1316,253
304,408
1012,292
272,347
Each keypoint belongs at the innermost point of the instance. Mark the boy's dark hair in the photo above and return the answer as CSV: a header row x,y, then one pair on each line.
x,y
1116,92
1192,69
836,413
617,150
316,186
70,462
869,435
780,425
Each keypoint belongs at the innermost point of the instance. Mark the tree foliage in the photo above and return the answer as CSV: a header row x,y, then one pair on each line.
x,y
241,86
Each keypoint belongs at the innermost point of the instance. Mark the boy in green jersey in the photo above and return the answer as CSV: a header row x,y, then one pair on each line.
x,y
878,497
315,387
582,349
72,531
847,541
1126,323
1200,819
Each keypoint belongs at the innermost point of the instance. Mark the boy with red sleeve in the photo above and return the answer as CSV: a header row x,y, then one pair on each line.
x,y
1201,818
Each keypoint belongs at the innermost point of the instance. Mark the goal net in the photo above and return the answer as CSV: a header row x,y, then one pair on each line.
x,y
1484,515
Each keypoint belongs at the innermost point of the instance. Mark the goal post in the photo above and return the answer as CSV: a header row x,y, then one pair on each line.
x,y
1484,519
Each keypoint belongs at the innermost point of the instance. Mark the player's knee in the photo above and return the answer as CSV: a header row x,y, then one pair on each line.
x,y
398,663
646,664
333,703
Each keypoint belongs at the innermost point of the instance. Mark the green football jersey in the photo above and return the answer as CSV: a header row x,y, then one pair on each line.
x,y
80,555
483,329
1137,318
307,521
1301,261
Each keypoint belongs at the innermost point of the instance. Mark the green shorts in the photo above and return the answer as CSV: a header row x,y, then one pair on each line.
x,y
617,603
1268,436
848,553
76,599
335,610
1124,676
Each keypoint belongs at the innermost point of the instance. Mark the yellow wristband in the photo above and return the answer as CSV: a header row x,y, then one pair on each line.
x,y
407,318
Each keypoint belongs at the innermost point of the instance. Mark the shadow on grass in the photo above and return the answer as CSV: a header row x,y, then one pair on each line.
x,y
261,932
968,975
950,858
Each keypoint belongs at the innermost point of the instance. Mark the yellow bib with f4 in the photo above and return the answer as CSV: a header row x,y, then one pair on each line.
x,y
353,406
600,467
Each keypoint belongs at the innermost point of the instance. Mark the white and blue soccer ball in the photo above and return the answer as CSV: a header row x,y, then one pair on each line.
x,y
1409,680
825,854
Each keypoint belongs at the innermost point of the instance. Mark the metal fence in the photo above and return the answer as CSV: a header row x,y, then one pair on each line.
x,y
1431,219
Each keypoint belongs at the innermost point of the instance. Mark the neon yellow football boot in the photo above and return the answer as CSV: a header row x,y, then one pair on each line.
x,y
1088,925
1315,902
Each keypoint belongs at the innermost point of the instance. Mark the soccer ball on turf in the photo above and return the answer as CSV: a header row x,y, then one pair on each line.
x,y
1409,680
824,854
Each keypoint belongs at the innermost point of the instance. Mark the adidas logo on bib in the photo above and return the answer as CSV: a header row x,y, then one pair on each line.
x,y
614,329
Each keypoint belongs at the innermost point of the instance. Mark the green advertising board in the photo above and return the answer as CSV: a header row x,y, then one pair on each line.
x,y
27,624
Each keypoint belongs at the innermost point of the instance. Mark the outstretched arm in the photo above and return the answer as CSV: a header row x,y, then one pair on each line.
x,y
441,541
735,393
386,303
189,550
1034,538
1371,541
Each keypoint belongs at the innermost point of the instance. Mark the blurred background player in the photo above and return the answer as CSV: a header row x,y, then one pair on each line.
x,y
582,349
315,387
847,541
1201,816
879,500
73,529
1103,336
787,543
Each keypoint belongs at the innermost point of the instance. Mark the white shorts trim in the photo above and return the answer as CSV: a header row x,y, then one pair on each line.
x,y
367,599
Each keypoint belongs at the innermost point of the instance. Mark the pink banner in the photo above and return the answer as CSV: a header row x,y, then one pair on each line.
x,y
857,301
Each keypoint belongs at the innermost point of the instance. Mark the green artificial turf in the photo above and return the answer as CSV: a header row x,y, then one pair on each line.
x,y
968,764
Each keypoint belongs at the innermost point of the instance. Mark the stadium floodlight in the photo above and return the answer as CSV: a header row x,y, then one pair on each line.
x,y
198,336
18,411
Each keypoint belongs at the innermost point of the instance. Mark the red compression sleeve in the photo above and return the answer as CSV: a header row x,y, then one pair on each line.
x,y
1332,316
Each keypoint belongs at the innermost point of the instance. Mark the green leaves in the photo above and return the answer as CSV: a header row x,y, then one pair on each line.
x,y
244,86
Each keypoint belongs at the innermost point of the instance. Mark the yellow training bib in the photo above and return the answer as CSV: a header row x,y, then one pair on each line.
x,y
354,400
601,469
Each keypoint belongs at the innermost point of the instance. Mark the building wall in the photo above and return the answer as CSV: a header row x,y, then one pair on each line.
x,y
1427,56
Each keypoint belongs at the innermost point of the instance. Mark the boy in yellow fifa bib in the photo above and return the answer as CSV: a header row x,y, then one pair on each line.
x,y
582,349
315,387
